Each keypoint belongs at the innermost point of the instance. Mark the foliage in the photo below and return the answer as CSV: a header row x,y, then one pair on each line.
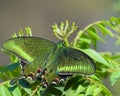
x,y
107,64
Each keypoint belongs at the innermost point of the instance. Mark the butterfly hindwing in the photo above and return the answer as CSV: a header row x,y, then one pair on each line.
x,y
73,61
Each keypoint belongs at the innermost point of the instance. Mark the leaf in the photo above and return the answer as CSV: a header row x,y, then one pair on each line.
x,y
90,90
96,56
85,84
94,77
105,90
16,92
115,76
80,89
97,91
4,91
115,20
92,28
14,59
71,82
38,93
70,93
85,40
28,90
99,84
10,67
105,30
78,83
24,83
56,91
94,35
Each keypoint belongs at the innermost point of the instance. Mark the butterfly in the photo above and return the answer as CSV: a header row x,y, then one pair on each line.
x,y
43,60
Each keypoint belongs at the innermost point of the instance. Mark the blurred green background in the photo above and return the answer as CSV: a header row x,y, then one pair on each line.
x,y
41,14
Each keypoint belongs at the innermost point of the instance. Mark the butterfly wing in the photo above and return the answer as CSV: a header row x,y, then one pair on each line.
x,y
28,48
31,50
72,61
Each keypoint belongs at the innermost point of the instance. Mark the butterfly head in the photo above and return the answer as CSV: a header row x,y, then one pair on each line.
x,y
60,44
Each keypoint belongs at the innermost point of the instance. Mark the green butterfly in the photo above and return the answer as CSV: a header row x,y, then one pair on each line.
x,y
43,60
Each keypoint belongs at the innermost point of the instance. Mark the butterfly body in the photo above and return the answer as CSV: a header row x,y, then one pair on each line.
x,y
45,60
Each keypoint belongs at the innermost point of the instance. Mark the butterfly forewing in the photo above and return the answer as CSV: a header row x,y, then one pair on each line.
x,y
72,61
28,48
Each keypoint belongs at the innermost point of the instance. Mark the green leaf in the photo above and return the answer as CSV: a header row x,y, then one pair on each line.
x,y
94,35
85,40
4,91
115,77
97,82
93,29
115,20
94,77
90,90
71,82
24,83
38,93
105,30
96,56
16,92
105,90
28,90
77,83
80,89
70,93
97,91
10,67
85,84
56,91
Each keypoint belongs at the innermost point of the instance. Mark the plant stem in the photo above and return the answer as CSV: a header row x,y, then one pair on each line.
x,y
5,82
82,31
36,89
